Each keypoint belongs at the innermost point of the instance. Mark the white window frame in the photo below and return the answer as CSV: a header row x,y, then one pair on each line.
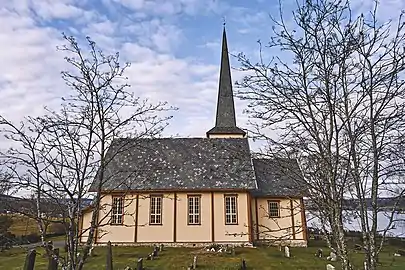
x,y
156,205
117,211
194,209
274,208
231,209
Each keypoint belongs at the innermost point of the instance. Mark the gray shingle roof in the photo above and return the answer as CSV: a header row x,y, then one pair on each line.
x,y
178,163
278,177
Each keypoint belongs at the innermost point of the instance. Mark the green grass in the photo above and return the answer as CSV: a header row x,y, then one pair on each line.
x,y
179,258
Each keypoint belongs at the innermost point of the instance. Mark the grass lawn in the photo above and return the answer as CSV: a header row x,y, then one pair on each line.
x,y
178,258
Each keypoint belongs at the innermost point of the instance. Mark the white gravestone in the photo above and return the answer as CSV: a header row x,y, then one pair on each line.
x,y
287,252
332,257
330,267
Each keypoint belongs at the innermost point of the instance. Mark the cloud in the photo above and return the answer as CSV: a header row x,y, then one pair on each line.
x,y
162,40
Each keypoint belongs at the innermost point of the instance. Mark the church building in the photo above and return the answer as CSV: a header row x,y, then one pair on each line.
x,y
198,191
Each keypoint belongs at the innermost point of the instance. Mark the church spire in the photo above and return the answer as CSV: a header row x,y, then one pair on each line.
x,y
225,124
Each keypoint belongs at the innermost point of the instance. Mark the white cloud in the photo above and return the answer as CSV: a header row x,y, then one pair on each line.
x,y
31,65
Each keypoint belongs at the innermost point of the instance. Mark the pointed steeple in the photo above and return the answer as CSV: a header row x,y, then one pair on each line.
x,y
225,124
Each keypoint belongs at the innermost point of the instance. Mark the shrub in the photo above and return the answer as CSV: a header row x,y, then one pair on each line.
x,y
57,229
5,235
33,238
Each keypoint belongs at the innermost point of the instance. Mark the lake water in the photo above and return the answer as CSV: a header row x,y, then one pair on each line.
x,y
352,223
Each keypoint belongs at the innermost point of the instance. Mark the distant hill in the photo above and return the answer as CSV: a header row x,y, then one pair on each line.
x,y
383,203
12,204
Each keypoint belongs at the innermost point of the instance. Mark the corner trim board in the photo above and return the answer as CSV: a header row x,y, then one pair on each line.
x,y
257,221
212,218
136,218
175,218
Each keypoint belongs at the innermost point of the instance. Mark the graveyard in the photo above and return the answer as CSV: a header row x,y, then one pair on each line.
x,y
217,257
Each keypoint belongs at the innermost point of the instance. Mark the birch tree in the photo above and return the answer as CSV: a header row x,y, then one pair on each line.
x,y
58,155
334,99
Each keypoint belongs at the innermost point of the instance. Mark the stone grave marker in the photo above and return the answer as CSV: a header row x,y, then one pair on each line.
x,y
330,267
287,252
139,264
195,263
53,260
30,260
109,263
155,251
244,266
332,257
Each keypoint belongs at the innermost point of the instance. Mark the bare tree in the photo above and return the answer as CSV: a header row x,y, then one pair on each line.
x,y
5,183
336,102
59,154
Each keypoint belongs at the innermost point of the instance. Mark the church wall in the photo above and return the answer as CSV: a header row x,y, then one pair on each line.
x,y
156,233
289,226
173,205
117,233
193,233
85,225
231,233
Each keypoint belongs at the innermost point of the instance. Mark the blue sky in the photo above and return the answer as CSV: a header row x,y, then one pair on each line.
x,y
174,48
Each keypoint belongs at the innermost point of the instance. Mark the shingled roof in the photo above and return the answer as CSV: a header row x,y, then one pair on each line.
x,y
278,177
178,163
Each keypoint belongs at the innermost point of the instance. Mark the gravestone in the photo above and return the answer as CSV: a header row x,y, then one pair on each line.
x,y
109,262
155,251
319,253
91,251
161,247
287,252
401,252
139,264
195,263
332,257
280,248
53,259
233,251
30,260
330,267
243,267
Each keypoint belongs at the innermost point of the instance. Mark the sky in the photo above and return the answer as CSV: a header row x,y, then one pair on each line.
x,y
174,48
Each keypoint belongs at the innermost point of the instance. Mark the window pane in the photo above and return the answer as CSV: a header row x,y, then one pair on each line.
x,y
274,209
117,210
231,210
155,209
193,209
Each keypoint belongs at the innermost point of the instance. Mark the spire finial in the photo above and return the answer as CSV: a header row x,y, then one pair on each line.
x,y
224,21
